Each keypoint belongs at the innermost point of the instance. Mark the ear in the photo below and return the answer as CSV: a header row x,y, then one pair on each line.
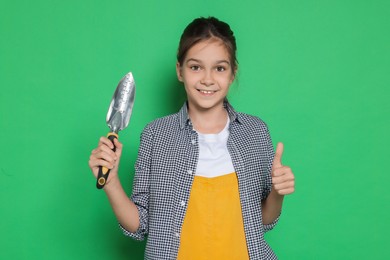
x,y
233,76
178,72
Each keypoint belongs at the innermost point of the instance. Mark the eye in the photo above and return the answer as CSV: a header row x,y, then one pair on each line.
x,y
195,67
220,68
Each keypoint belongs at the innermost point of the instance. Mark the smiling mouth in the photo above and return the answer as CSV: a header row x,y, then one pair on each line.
x,y
208,92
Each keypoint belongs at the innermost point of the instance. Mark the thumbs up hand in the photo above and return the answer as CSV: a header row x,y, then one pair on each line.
x,y
282,176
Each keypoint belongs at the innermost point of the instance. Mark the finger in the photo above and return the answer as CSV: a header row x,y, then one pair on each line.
x,y
284,185
280,171
282,179
278,155
286,191
118,144
104,140
94,164
107,155
105,148
104,153
103,163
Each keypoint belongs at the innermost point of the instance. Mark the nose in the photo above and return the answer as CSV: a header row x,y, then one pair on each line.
x,y
207,79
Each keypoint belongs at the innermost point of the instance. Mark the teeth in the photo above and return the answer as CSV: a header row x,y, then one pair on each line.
x,y
206,92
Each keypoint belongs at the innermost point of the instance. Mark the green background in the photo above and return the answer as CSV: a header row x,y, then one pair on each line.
x,y
316,71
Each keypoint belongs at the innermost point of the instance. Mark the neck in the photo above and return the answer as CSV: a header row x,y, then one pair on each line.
x,y
208,121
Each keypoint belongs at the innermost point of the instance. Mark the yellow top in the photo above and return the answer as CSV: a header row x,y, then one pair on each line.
x,y
213,227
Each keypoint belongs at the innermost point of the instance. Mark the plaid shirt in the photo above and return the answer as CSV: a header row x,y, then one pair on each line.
x,y
165,169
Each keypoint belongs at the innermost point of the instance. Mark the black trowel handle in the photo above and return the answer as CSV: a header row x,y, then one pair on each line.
x,y
103,171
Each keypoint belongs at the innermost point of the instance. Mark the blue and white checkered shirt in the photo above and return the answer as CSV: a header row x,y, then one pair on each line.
x,y
164,172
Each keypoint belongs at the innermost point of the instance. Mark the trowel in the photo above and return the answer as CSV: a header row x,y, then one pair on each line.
x,y
118,117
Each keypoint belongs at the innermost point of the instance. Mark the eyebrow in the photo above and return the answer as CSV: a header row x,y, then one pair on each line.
x,y
199,61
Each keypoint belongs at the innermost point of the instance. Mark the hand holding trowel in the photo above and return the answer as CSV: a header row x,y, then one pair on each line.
x,y
118,117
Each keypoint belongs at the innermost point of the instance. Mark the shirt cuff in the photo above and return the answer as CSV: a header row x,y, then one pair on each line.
x,y
141,232
270,226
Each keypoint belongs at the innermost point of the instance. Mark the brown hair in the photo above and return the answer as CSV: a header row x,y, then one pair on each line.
x,y
202,29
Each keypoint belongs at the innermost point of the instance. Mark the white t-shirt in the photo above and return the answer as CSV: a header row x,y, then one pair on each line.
x,y
214,158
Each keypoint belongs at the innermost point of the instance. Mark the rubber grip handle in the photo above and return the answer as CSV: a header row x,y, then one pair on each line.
x,y
103,171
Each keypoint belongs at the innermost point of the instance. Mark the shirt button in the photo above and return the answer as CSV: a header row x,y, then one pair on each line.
x,y
182,203
193,141
189,172
177,234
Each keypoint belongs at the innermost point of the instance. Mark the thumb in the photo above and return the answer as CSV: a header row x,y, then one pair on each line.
x,y
118,146
278,155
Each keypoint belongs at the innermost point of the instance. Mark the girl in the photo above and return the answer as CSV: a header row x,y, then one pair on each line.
x,y
207,183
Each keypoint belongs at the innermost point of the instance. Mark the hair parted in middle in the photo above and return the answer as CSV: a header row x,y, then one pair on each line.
x,y
202,29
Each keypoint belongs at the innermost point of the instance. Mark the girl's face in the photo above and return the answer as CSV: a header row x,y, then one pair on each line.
x,y
207,74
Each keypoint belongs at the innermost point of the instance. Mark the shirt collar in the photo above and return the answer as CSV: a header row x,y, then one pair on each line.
x,y
184,119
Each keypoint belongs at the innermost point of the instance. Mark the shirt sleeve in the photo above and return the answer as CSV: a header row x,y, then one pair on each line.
x,y
268,183
140,193
270,226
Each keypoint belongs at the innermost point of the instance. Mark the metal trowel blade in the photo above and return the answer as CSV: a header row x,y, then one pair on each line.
x,y
121,106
